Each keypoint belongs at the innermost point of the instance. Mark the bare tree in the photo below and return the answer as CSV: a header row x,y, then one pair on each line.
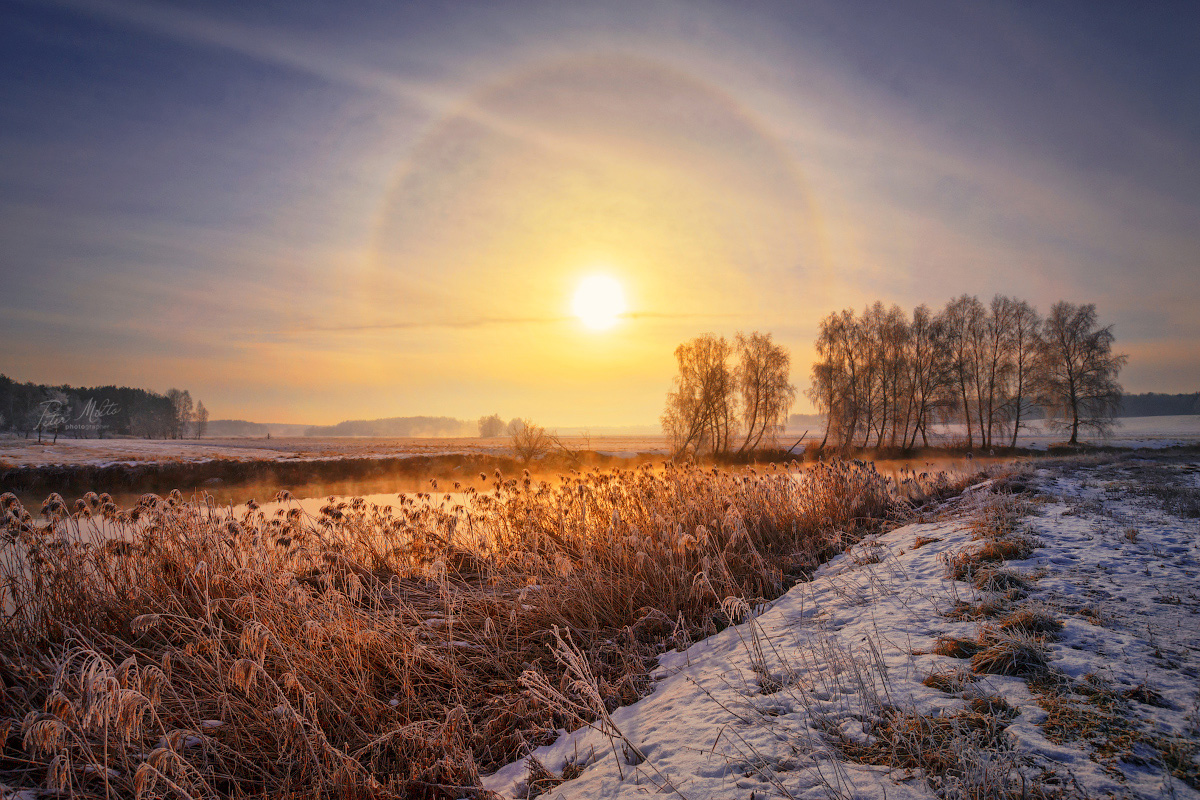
x,y
881,378
529,440
928,373
993,368
766,393
56,410
491,427
866,341
700,410
151,416
141,419
964,319
1023,342
201,420
895,393
572,451
182,411
30,421
1078,370
843,381
833,377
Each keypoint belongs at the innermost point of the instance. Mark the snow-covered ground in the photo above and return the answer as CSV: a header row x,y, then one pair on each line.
x,y
822,694
1149,432
16,452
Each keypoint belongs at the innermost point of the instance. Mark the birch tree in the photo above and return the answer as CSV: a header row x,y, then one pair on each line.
x,y
1078,377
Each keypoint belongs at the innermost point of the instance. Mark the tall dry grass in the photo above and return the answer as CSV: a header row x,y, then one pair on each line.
x,y
174,650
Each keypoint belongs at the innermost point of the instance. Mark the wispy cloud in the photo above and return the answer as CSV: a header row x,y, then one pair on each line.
x,y
486,322
266,45
308,56
172,239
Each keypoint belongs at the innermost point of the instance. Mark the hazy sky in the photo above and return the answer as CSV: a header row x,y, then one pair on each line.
x,y
312,212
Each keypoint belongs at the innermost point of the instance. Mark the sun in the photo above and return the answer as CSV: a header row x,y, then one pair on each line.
x,y
598,302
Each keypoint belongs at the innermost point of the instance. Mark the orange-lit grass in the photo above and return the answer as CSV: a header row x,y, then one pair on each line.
x,y
175,651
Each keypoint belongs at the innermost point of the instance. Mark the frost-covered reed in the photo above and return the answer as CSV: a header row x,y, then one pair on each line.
x,y
175,649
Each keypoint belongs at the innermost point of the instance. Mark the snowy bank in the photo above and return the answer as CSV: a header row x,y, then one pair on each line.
x,y
859,683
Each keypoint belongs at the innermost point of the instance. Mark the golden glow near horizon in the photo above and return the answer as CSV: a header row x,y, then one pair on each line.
x,y
392,218
596,164
599,302
466,292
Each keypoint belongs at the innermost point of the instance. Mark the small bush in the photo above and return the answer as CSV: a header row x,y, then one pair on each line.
x,y
954,647
999,519
1014,548
992,705
986,608
1000,580
946,748
539,779
1030,621
967,563
1146,696
949,681
1011,655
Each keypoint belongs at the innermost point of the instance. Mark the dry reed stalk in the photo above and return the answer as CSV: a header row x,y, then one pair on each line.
x,y
176,648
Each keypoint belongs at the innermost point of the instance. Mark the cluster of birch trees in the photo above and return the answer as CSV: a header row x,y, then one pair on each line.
x,y
729,397
883,378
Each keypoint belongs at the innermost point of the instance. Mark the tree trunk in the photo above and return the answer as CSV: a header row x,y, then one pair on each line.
x,y
966,410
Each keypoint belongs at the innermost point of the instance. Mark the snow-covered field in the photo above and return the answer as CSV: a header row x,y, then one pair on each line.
x,y
16,452
1152,432
825,694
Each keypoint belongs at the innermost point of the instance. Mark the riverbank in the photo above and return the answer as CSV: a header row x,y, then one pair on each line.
x,y
1043,644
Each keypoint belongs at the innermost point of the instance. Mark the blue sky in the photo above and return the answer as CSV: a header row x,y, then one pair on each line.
x,y
309,212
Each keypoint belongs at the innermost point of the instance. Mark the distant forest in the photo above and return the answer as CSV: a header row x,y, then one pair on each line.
x,y
234,428
102,411
1152,404
94,412
397,426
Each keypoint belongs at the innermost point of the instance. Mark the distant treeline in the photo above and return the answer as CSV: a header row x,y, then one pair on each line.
x,y
244,428
1152,404
95,412
397,426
